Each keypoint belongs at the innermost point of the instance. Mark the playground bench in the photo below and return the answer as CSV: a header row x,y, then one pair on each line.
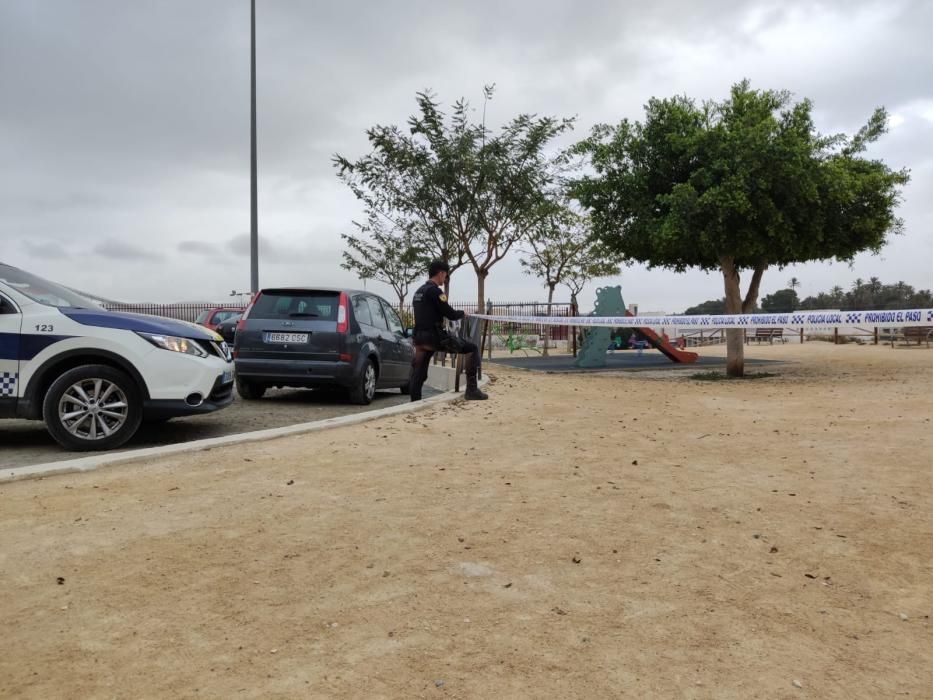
x,y
769,334
909,334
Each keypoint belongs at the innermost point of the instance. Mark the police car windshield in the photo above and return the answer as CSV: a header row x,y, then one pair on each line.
x,y
42,291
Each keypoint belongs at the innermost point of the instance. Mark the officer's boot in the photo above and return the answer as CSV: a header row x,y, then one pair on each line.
x,y
473,392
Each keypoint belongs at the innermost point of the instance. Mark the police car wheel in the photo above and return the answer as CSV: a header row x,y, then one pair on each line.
x,y
365,389
92,407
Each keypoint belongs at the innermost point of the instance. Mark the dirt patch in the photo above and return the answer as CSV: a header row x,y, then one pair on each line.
x,y
575,536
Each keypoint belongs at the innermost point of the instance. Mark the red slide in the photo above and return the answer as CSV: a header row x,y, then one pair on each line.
x,y
659,343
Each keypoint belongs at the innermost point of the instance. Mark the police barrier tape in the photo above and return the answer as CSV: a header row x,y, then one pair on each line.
x,y
800,319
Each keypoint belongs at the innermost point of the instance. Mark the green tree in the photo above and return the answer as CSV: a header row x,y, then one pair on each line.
x,y
472,193
820,301
737,186
713,306
592,264
871,295
554,248
387,256
793,283
782,301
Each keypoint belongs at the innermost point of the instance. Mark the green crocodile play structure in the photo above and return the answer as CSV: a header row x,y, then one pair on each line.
x,y
596,340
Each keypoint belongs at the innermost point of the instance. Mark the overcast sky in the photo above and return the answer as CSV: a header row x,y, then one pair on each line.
x,y
124,126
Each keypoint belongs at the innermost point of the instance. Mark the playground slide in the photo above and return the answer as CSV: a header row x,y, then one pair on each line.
x,y
673,354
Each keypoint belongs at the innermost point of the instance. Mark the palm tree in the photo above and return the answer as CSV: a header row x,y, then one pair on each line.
x,y
901,289
793,283
857,295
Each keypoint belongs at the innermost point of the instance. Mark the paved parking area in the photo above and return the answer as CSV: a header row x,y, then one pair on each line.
x,y
23,443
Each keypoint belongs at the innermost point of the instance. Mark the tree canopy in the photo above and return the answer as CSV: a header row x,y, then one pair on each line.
x,y
712,306
466,193
743,184
871,295
558,249
385,255
557,246
783,301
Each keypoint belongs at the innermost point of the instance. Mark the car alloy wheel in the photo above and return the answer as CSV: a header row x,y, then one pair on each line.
x,y
93,409
364,386
369,381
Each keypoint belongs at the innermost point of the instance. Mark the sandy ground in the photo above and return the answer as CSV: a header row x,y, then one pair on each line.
x,y
28,442
576,536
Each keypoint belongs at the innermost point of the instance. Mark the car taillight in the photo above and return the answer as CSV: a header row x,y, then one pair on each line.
x,y
249,307
343,324
242,322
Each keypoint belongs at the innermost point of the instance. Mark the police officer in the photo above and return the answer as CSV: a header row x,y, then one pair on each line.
x,y
431,308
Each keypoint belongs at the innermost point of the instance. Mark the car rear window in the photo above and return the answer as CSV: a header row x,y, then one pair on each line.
x,y
221,316
281,304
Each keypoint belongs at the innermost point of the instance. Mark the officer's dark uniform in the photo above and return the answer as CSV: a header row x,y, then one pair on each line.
x,y
431,308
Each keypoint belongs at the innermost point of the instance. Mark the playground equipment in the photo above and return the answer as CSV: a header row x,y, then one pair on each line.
x,y
596,341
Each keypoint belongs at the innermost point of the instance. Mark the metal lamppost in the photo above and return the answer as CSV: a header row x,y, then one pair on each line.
x,y
254,212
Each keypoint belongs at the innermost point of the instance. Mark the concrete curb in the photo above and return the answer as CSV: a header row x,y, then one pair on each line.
x,y
438,378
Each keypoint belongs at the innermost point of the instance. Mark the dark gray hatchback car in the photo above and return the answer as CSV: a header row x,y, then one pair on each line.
x,y
317,338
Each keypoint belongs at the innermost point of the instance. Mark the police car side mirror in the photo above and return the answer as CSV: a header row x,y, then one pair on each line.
x,y
408,332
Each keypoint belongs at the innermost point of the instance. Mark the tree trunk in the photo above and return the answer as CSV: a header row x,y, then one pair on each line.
x,y
547,329
751,297
481,290
735,337
735,304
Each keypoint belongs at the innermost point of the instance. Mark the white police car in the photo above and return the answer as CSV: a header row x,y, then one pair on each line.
x,y
93,375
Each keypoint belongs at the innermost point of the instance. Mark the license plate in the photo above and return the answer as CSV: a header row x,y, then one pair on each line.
x,y
226,377
286,337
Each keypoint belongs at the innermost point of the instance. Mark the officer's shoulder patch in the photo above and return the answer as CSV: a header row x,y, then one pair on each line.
x,y
444,298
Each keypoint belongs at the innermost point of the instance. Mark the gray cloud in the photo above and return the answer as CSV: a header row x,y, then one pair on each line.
x,y
279,250
197,247
241,244
118,250
46,250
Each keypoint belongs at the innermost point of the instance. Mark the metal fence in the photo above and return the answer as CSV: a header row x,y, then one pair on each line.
x,y
564,309
181,312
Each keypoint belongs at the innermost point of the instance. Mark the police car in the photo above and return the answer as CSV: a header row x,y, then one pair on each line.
x,y
94,375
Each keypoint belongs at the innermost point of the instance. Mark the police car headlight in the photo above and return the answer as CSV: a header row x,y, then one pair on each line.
x,y
175,344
